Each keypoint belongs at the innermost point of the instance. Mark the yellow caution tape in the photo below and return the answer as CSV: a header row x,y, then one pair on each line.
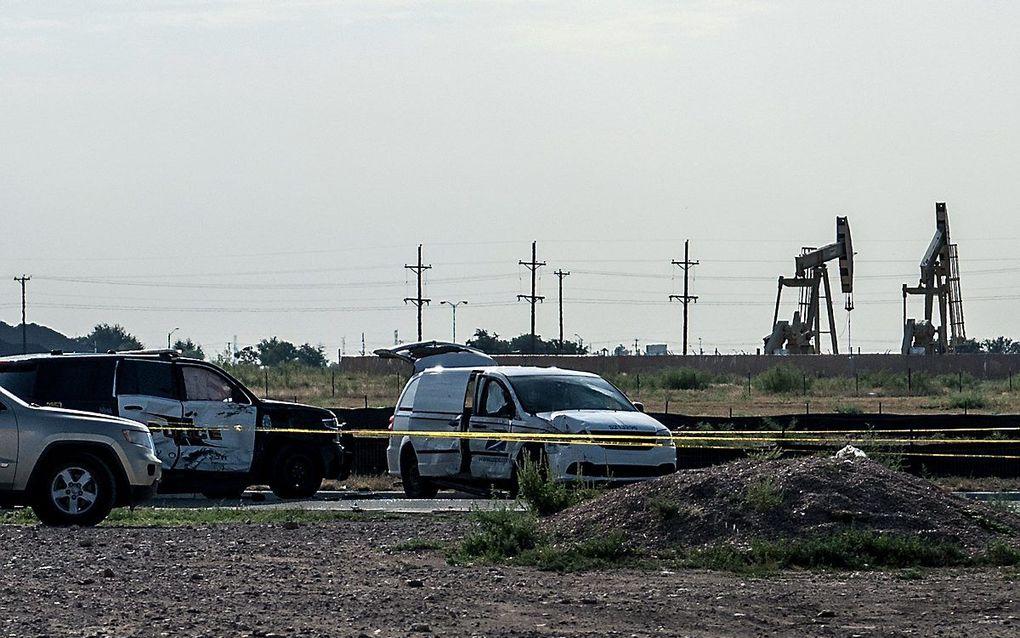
x,y
626,439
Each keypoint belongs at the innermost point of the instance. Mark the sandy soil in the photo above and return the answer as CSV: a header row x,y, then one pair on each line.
x,y
345,579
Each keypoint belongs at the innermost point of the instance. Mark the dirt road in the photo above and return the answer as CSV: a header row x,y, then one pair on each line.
x,y
347,579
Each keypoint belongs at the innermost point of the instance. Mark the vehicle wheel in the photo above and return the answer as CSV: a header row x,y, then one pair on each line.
x,y
296,474
74,490
530,454
224,492
414,485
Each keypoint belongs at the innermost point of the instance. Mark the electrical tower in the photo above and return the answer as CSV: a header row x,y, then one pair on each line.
x,y
418,301
560,274
24,327
533,298
685,298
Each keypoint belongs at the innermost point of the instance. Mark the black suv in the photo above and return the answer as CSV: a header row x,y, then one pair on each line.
x,y
212,434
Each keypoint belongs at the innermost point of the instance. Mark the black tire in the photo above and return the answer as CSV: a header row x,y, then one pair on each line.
x,y
297,473
74,489
415,486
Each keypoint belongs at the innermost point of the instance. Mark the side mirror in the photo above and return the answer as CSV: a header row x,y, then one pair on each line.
x,y
640,406
506,412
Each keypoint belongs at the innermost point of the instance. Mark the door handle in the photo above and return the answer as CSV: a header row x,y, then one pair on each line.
x,y
479,426
133,407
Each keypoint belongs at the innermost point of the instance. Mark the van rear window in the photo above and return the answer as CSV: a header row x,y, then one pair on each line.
x,y
19,379
407,398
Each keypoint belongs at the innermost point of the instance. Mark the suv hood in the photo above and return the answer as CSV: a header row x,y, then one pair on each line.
x,y
603,422
94,417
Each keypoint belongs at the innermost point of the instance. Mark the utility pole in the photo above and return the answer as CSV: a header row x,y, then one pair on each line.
x,y
418,301
560,274
533,298
23,279
685,298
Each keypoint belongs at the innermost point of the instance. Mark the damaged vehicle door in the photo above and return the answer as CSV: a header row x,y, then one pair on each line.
x,y
494,412
147,393
224,416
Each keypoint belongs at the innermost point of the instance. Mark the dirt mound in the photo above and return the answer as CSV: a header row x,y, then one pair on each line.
x,y
786,499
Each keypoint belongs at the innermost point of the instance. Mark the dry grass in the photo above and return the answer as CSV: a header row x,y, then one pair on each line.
x,y
716,397
364,483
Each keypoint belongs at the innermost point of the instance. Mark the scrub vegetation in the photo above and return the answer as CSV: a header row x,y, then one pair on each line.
x,y
545,497
780,390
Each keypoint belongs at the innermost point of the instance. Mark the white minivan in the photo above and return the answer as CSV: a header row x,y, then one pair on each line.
x,y
456,389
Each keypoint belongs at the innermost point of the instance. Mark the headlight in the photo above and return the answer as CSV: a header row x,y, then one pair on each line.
x,y
139,438
331,423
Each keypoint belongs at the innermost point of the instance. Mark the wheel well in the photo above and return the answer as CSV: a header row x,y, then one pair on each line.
x,y
102,452
407,450
531,451
291,447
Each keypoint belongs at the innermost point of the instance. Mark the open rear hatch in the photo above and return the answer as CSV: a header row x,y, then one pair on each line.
x,y
432,354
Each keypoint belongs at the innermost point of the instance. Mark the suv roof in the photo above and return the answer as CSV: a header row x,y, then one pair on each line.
x,y
134,354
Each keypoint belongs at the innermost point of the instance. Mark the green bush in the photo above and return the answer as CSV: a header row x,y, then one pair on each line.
x,y
848,408
852,549
763,494
596,553
546,496
667,509
766,453
500,534
781,379
884,380
684,379
508,537
968,400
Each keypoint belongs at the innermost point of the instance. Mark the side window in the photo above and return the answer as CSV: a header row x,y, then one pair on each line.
x,y
148,378
203,384
407,398
74,380
495,399
19,379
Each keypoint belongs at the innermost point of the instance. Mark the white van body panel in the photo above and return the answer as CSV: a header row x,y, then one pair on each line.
x,y
437,404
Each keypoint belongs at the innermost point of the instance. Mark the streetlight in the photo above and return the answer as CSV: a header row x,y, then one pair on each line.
x,y
580,343
453,305
169,335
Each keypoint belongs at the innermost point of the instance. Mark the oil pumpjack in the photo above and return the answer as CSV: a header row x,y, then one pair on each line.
x,y
940,279
803,335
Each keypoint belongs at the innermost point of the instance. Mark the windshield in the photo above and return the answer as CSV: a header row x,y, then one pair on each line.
x,y
555,393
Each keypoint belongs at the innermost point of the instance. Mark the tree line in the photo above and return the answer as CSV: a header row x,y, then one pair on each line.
x,y
268,352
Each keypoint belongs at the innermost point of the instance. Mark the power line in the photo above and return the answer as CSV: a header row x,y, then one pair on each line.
x,y
685,298
533,298
418,301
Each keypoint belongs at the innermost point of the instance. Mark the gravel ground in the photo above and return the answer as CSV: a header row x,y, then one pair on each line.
x,y
346,579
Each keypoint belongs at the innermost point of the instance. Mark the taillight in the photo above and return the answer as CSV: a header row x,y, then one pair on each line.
x,y
390,426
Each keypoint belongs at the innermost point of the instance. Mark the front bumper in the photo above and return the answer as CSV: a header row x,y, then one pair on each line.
x,y
610,464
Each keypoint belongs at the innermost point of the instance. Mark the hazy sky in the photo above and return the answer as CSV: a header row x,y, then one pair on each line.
x,y
267,168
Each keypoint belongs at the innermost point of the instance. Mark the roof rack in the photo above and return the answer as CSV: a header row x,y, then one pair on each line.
x,y
163,352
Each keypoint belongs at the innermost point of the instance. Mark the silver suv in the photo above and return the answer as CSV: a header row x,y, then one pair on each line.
x,y
72,467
